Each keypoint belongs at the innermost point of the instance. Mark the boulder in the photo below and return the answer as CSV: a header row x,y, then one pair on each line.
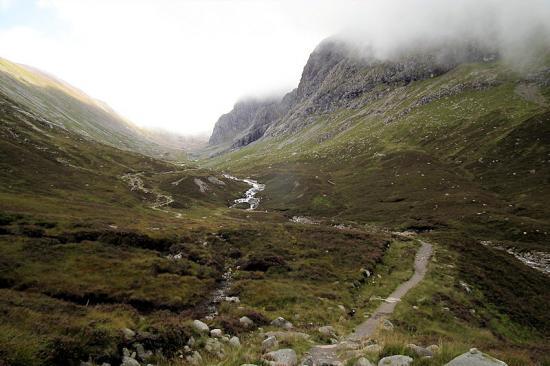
x,y
420,351
475,358
362,362
434,348
373,348
214,347
246,321
387,325
234,342
216,333
195,359
397,360
200,327
128,334
269,344
142,353
327,331
282,323
129,361
282,357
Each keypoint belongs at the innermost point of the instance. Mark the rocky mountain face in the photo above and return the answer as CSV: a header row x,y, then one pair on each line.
x,y
337,75
248,121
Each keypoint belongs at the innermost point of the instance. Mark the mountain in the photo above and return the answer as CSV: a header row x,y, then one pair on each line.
x,y
450,142
337,75
59,104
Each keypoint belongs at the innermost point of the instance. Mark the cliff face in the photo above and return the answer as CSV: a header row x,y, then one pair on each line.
x,y
337,75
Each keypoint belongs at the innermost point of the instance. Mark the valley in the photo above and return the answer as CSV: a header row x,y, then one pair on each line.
x,y
383,208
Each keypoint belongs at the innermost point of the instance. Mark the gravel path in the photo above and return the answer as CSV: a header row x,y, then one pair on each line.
x,y
328,355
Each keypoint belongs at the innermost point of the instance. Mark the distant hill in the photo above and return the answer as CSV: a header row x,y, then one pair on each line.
x,y
60,104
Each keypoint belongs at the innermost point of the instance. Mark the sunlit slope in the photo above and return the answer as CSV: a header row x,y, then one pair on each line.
x,y
55,102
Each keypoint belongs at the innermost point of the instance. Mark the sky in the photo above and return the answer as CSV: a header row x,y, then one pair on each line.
x,y
179,65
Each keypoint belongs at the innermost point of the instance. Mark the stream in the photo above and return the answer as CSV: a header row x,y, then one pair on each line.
x,y
250,195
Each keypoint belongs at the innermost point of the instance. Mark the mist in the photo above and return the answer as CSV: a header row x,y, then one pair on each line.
x,y
179,65
519,31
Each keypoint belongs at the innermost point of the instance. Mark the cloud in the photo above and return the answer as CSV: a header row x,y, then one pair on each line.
x,y
178,65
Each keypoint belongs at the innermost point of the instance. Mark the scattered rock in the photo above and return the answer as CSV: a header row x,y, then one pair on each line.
x,y
373,348
142,353
234,342
233,299
246,321
282,357
269,344
129,361
434,348
200,326
327,331
362,362
387,325
397,360
216,333
475,358
282,323
420,351
214,347
195,359
128,334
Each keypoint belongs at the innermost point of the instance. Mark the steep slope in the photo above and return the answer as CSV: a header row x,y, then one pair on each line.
x,y
59,104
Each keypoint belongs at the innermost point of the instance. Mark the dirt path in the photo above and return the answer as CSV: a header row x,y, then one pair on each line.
x,y
328,355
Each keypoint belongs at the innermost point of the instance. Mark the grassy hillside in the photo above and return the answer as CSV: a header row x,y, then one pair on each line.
x,y
59,104
461,157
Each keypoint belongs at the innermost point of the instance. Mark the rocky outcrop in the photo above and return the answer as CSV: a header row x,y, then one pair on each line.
x,y
248,121
337,75
475,358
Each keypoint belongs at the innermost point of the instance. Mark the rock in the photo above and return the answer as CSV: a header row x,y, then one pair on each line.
x,y
342,308
141,352
397,360
214,347
129,361
282,323
362,362
420,351
216,333
195,359
126,352
387,325
234,342
128,334
327,331
200,327
225,339
434,348
282,357
475,358
373,348
248,364
233,299
269,344
191,342
246,321
365,272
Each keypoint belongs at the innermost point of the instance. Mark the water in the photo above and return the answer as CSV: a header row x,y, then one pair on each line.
x,y
250,195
